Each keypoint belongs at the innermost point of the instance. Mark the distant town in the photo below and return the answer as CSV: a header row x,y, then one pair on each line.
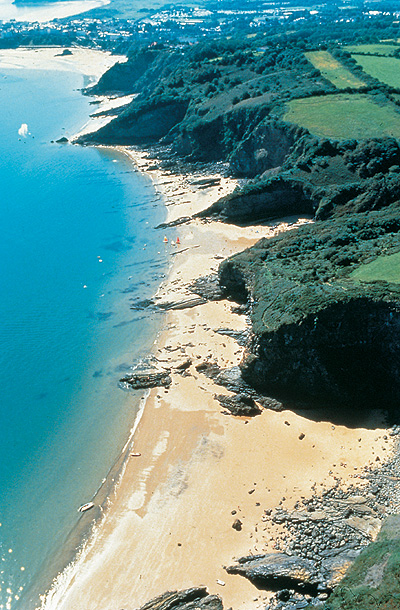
x,y
187,25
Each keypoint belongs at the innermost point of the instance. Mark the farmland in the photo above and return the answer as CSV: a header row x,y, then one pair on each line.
x,y
384,69
372,49
386,268
344,116
333,70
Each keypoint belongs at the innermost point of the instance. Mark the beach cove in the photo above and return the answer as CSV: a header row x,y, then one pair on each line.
x,y
169,525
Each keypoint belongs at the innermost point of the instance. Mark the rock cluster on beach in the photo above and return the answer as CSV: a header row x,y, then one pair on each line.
x,y
196,598
147,374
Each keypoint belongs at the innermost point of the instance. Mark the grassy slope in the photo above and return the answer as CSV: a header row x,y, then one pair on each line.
x,y
385,268
333,70
344,117
384,69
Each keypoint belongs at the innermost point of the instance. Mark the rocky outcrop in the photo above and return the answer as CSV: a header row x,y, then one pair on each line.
x,y
147,374
241,404
275,571
272,198
196,598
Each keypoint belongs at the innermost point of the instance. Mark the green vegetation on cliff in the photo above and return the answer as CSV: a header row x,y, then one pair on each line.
x,y
373,580
383,269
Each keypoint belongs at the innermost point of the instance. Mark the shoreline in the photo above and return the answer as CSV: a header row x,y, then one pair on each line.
x,y
189,449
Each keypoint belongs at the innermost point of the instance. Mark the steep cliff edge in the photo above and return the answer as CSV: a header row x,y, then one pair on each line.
x,y
318,332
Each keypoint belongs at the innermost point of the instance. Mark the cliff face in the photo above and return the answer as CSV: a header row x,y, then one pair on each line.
x,y
146,124
122,78
266,147
347,352
317,332
279,196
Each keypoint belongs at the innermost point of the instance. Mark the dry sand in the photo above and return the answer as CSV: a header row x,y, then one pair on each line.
x,y
169,525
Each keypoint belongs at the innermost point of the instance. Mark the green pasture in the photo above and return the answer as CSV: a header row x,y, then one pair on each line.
x,y
372,49
333,70
384,69
385,268
344,116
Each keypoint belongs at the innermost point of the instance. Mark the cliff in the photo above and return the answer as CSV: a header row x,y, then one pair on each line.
x,y
319,333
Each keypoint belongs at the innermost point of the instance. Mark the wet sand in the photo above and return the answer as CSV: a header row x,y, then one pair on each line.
x,y
169,525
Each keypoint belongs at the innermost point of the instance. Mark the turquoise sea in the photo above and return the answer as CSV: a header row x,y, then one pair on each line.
x,y
77,248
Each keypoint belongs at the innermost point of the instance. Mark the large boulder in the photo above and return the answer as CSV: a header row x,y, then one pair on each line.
x,y
276,571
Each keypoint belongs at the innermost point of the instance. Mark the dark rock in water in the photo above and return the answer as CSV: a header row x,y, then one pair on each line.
x,y
62,140
147,374
207,287
241,404
143,304
276,571
189,599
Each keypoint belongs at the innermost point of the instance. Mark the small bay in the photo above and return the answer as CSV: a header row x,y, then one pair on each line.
x,y
77,247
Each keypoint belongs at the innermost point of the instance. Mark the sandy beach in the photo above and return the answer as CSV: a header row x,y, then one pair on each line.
x,y
169,521
90,62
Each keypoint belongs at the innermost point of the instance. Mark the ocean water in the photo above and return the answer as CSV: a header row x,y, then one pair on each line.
x,y
77,248
41,11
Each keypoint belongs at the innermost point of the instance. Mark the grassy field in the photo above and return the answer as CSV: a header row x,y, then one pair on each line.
x,y
373,49
385,69
344,116
333,70
383,268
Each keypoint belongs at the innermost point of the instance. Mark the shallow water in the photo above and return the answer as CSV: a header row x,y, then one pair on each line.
x,y
77,246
